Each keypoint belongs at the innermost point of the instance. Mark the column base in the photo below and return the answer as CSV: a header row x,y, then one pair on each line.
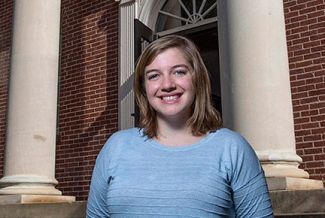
x,y
25,189
289,183
22,199
28,184
281,164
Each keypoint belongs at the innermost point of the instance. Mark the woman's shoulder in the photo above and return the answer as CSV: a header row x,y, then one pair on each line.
x,y
126,133
117,142
122,138
225,134
230,141
234,143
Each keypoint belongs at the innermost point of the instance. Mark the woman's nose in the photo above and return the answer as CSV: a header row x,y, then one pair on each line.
x,y
168,84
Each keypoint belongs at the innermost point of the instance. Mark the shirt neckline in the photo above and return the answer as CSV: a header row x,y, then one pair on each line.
x,y
199,143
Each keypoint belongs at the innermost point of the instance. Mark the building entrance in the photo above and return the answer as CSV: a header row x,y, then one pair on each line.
x,y
195,19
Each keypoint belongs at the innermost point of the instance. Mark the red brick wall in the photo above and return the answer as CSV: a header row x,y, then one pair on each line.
x,y
305,28
5,40
88,111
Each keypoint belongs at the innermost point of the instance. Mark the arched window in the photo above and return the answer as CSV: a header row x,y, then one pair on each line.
x,y
178,13
197,19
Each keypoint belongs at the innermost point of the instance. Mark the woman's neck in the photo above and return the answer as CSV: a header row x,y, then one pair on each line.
x,y
175,133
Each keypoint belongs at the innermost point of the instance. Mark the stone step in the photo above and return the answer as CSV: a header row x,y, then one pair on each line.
x,y
311,215
286,204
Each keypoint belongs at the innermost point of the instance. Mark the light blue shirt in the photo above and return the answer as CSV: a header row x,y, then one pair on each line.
x,y
218,176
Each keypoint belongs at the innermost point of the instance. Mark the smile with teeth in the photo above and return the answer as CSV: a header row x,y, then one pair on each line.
x,y
170,98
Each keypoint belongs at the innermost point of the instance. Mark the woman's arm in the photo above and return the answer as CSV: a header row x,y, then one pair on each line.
x,y
250,192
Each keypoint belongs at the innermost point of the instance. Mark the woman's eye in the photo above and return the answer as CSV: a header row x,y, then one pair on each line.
x,y
153,76
180,72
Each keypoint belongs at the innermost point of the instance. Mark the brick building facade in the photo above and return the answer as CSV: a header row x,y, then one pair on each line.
x,y
88,85
306,50
88,108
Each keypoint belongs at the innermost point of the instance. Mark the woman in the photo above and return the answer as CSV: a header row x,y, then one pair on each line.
x,y
180,162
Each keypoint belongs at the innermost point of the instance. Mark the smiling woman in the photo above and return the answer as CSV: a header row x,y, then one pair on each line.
x,y
180,162
163,55
169,88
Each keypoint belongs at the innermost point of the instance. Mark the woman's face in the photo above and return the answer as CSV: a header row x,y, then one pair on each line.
x,y
168,85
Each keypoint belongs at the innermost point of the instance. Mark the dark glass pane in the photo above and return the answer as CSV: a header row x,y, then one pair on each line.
x,y
191,15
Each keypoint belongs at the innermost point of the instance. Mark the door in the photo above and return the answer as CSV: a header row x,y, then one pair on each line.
x,y
143,35
204,36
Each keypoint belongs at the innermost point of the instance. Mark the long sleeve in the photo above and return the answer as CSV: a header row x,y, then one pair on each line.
x,y
106,162
96,205
250,192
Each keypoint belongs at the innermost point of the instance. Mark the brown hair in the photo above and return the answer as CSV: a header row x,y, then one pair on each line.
x,y
205,117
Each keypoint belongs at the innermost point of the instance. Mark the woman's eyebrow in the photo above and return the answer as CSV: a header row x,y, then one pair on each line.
x,y
150,71
173,67
180,65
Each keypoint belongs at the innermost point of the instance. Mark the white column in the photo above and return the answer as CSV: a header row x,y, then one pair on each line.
x,y
127,13
29,167
255,83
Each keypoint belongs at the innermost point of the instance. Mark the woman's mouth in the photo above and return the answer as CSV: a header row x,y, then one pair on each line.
x,y
170,98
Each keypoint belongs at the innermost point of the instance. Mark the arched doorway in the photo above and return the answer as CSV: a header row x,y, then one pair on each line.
x,y
196,19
